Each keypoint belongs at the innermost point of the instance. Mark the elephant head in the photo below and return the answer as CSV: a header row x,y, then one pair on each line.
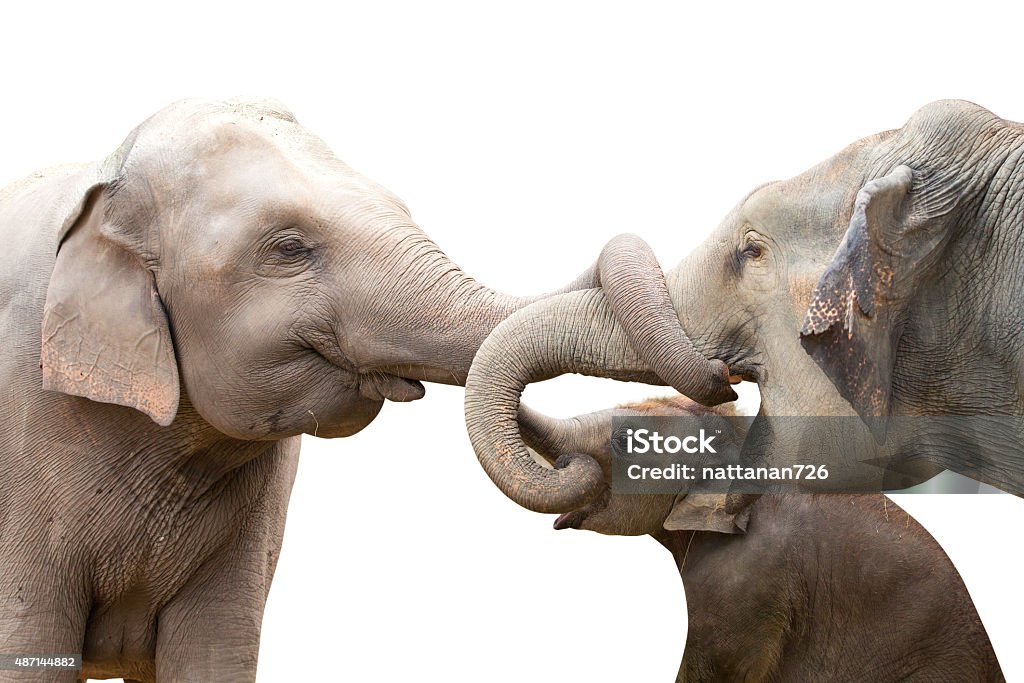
x,y
557,441
226,251
878,282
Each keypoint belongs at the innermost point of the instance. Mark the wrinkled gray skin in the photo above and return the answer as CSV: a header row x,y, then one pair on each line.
x,y
173,318
788,587
883,282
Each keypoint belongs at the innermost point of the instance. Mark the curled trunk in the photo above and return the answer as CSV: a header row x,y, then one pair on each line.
x,y
549,436
636,290
574,332
626,330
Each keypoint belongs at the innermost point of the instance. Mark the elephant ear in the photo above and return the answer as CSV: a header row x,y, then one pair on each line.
x,y
853,324
719,512
105,333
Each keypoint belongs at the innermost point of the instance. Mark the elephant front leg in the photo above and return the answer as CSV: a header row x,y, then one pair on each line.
x,y
43,612
30,649
211,631
40,676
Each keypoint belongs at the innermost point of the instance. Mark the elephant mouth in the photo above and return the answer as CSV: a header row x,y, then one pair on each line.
x,y
570,520
378,386
739,374
575,518
372,384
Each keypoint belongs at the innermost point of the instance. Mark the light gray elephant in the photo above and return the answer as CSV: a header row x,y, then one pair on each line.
x,y
789,587
172,319
883,282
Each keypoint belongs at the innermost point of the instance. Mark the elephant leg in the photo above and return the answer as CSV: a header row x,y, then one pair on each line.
x,y
39,676
210,630
43,612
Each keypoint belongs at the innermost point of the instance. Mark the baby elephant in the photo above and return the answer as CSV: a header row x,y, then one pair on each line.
x,y
787,587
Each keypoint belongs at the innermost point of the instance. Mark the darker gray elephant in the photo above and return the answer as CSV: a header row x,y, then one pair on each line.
x,y
790,587
882,283
173,318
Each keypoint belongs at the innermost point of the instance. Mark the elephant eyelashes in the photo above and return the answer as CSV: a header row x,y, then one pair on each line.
x,y
292,248
288,253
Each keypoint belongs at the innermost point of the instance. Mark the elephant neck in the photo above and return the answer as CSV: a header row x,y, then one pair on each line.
x,y
800,389
192,449
960,350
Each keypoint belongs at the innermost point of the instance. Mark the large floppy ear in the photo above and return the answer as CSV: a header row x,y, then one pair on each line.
x,y
720,512
855,317
105,333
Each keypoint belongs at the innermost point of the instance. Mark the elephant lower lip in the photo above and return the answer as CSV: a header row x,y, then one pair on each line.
x,y
570,520
379,387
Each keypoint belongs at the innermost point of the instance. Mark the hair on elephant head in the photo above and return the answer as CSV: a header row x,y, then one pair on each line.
x,y
225,249
879,283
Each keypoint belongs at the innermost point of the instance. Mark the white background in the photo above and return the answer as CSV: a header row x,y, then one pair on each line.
x,y
522,138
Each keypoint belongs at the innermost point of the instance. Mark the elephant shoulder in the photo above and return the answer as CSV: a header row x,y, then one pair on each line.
x,y
32,207
30,212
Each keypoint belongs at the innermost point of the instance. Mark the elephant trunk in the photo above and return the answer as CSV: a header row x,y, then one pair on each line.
x,y
626,330
573,332
550,436
429,317
636,290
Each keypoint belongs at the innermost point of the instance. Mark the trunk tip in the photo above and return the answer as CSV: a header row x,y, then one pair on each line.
x,y
719,386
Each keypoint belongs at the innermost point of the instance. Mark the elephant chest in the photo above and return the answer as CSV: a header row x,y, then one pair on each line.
x,y
177,547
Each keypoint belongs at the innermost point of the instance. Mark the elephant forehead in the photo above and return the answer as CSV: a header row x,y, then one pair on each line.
x,y
203,122
778,203
236,153
818,202
256,174
801,208
195,143
259,184
242,165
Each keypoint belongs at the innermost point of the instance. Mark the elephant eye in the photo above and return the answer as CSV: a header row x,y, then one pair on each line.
x,y
291,247
620,440
285,255
752,251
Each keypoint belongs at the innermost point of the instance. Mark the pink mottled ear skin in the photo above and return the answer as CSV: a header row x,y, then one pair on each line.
x,y
848,328
108,341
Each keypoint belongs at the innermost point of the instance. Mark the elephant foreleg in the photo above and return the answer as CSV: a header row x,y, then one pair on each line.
x,y
42,614
211,630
